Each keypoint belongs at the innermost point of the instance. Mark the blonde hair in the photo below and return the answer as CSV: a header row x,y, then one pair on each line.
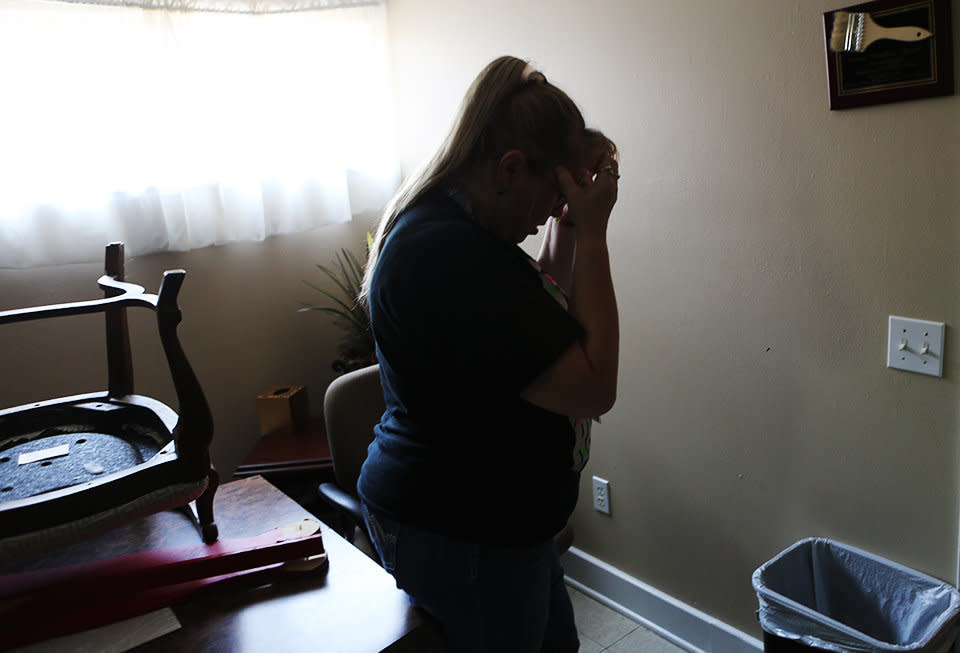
x,y
510,105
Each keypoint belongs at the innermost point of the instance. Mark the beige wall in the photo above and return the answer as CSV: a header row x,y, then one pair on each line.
x,y
240,330
759,244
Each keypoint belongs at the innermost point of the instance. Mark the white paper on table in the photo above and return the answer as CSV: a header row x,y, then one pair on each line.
x,y
112,638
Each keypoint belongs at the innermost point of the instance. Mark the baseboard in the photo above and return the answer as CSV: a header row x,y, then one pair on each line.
x,y
673,620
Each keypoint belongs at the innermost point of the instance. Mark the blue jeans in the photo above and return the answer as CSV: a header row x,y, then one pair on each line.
x,y
488,599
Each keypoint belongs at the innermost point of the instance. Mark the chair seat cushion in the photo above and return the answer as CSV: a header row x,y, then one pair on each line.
x,y
72,454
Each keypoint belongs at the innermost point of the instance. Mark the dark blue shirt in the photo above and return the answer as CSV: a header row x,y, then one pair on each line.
x,y
463,324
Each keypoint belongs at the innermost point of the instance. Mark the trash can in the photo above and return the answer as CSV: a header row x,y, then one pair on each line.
x,y
823,595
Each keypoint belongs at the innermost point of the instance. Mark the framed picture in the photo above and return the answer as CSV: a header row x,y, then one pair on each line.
x,y
885,69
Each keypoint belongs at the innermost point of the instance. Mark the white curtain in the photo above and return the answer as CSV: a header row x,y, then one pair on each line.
x,y
233,6
175,130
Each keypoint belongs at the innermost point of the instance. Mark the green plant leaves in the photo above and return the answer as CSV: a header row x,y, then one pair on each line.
x,y
350,315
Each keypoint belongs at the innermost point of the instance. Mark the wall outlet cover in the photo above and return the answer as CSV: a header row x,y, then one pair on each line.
x,y
601,495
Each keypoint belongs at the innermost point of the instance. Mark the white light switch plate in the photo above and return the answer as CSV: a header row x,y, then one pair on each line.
x,y
915,345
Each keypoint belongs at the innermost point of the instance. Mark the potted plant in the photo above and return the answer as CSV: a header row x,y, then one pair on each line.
x,y
357,348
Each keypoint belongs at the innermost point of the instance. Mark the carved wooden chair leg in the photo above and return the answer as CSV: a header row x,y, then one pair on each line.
x,y
208,526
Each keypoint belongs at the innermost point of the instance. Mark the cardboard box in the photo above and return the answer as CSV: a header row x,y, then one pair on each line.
x,y
283,409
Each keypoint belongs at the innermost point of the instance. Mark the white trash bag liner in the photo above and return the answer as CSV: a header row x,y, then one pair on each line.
x,y
832,596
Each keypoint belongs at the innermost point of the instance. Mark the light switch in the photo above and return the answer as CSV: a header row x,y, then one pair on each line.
x,y
915,345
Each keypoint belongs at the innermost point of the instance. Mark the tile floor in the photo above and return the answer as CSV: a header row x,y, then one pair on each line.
x,y
603,629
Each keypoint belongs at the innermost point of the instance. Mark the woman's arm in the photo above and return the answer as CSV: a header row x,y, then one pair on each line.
x,y
583,381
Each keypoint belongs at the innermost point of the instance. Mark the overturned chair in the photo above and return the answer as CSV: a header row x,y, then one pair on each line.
x,y
77,466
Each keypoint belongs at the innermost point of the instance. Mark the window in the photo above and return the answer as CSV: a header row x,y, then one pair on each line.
x,y
173,130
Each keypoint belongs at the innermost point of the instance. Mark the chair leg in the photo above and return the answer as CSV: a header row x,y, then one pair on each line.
x,y
208,526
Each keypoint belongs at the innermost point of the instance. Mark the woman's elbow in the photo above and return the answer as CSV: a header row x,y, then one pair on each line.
x,y
596,398
605,401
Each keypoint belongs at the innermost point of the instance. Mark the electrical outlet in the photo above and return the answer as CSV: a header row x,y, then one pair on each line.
x,y
601,495
915,345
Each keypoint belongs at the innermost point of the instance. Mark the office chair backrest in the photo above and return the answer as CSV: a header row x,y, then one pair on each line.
x,y
352,406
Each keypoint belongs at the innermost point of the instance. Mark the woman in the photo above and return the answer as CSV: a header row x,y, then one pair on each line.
x,y
490,369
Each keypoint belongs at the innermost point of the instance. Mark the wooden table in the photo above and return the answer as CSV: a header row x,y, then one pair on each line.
x,y
301,451
296,462
354,608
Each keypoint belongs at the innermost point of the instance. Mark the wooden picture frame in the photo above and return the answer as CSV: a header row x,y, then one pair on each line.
x,y
888,70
